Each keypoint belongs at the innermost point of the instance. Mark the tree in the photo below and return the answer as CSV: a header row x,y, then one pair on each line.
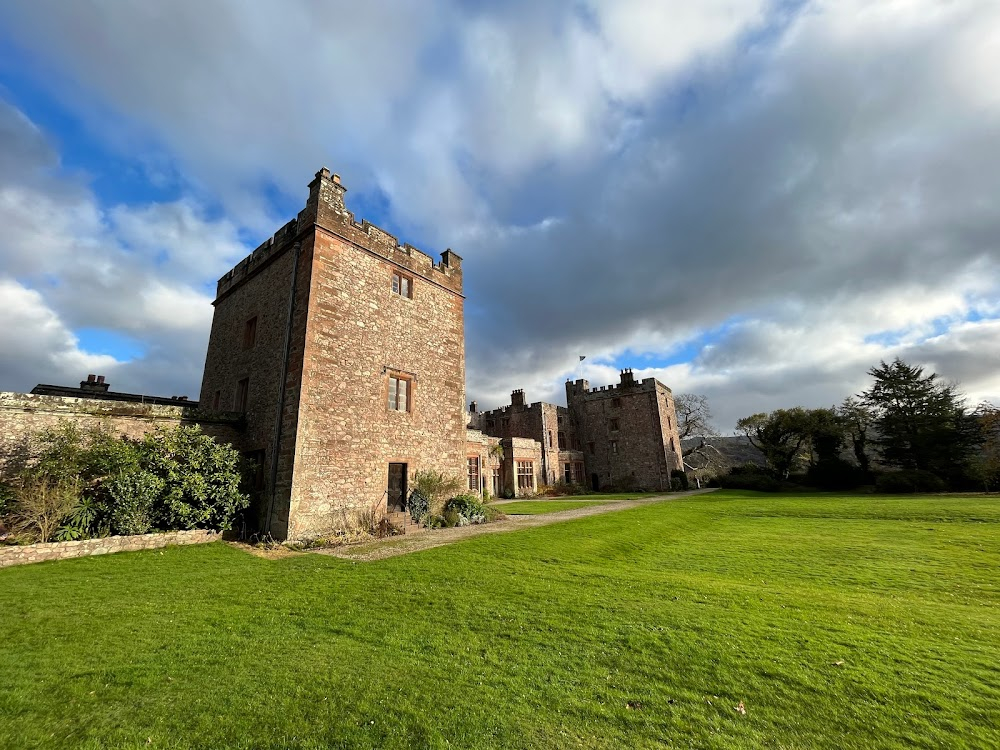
x,y
826,432
920,422
694,418
781,436
857,419
986,463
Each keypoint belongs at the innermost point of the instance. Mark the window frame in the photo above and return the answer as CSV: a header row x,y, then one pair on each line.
x,y
474,471
392,404
525,472
399,280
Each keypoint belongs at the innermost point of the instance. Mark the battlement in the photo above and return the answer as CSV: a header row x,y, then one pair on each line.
x,y
325,208
580,389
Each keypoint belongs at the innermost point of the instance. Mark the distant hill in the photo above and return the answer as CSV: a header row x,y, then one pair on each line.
x,y
716,455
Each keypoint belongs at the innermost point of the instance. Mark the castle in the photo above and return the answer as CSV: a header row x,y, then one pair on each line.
x,y
337,361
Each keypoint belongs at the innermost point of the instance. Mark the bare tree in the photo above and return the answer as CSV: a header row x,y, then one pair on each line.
x,y
694,417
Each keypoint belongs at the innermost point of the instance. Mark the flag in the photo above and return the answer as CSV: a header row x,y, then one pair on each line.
x,y
582,357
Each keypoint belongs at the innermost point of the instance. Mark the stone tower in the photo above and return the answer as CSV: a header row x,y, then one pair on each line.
x,y
345,351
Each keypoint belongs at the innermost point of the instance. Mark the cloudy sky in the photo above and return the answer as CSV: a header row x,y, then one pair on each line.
x,y
752,200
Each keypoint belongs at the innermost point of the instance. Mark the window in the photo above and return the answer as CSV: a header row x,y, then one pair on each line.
x,y
562,440
474,473
399,393
613,424
216,400
568,473
614,446
616,403
669,426
560,419
590,448
578,472
402,285
496,481
250,333
672,445
525,475
242,391
550,438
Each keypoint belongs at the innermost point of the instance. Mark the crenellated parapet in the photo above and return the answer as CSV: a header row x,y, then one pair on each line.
x,y
325,209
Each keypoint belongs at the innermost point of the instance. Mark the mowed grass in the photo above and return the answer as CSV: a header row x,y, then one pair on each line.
x,y
538,507
839,622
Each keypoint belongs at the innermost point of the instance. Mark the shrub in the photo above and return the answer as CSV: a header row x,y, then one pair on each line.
x,y
419,505
907,481
43,503
133,497
467,509
201,479
681,477
835,474
436,487
749,477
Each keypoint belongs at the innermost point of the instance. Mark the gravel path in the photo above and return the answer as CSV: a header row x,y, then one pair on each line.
x,y
403,545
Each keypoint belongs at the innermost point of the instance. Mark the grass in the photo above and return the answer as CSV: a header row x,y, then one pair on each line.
x,y
839,622
537,507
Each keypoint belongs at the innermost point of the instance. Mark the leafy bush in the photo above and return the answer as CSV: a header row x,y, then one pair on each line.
x,y
419,505
201,479
682,478
436,487
133,496
466,509
749,477
907,481
835,474
89,483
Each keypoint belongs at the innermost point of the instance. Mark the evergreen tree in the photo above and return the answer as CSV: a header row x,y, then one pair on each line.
x,y
920,422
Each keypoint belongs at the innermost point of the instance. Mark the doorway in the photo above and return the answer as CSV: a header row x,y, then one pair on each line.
x,y
396,488
595,482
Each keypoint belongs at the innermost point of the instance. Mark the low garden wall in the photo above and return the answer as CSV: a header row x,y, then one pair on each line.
x,y
32,553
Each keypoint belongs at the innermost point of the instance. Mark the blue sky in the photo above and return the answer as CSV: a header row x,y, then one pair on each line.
x,y
752,200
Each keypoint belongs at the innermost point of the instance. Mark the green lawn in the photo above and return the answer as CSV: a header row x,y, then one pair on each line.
x,y
537,507
839,622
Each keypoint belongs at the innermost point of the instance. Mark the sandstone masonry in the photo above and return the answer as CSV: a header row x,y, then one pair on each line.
x,y
614,437
345,351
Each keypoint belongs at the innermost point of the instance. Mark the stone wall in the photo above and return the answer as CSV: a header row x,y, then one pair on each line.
x,y
23,415
33,553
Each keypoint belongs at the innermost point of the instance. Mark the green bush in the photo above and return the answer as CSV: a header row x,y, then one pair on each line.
x,y
201,479
749,477
419,505
468,509
835,474
89,483
681,477
133,497
908,481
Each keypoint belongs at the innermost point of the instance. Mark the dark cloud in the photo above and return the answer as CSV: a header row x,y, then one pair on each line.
x,y
620,177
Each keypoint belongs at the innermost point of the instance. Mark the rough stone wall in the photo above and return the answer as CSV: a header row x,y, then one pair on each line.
x,y
22,415
33,553
540,421
358,332
626,432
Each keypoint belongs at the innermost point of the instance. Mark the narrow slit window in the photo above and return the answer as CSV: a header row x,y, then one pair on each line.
x,y
250,333
242,394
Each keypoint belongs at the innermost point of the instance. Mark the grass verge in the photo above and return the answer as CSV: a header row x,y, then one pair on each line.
x,y
837,622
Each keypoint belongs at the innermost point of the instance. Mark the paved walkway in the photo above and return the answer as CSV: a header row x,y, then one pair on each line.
x,y
403,545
